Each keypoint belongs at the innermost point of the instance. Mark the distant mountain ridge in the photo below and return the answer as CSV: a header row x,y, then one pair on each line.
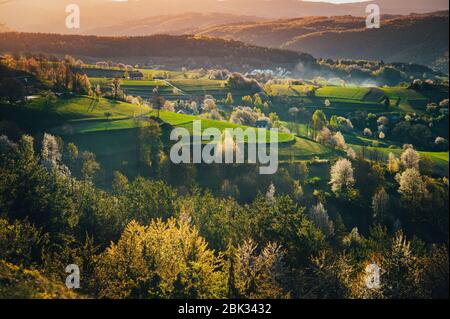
x,y
48,15
414,38
175,24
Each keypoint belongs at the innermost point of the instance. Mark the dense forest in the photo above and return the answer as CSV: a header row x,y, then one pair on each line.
x,y
146,240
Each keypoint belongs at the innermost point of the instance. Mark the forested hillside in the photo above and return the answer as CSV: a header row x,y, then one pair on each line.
x,y
220,52
185,51
347,37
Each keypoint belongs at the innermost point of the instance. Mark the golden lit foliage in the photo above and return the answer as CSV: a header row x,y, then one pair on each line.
x,y
164,260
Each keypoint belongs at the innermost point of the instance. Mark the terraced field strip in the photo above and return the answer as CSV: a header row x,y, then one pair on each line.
x,y
409,99
84,107
84,127
403,93
350,93
292,91
186,121
174,119
196,85
142,88
375,95
150,74
305,149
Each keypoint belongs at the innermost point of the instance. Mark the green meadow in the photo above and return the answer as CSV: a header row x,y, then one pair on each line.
x,y
82,120
90,121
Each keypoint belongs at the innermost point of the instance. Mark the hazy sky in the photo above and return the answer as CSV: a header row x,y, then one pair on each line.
x,y
336,1
49,15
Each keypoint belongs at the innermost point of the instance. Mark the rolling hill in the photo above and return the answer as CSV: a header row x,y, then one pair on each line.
x,y
347,37
189,51
175,24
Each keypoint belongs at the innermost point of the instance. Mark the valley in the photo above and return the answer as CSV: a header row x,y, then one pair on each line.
x,y
232,150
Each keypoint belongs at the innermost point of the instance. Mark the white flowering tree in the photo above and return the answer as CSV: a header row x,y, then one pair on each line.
x,y
339,141
324,136
51,156
351,154
50,153
319,216
412,187
342,177
410,158
368,132
441,143
270,195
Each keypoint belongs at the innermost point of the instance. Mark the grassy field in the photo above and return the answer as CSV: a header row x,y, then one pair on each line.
x,y
348,93
38,115
410,100
150,74
343,99
82,120
186,121
142,88
175,88
84,107
305,149
114,140
330,92
357,142
200,85
174,119
349,99
117,149
217,88
286,90
83,114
